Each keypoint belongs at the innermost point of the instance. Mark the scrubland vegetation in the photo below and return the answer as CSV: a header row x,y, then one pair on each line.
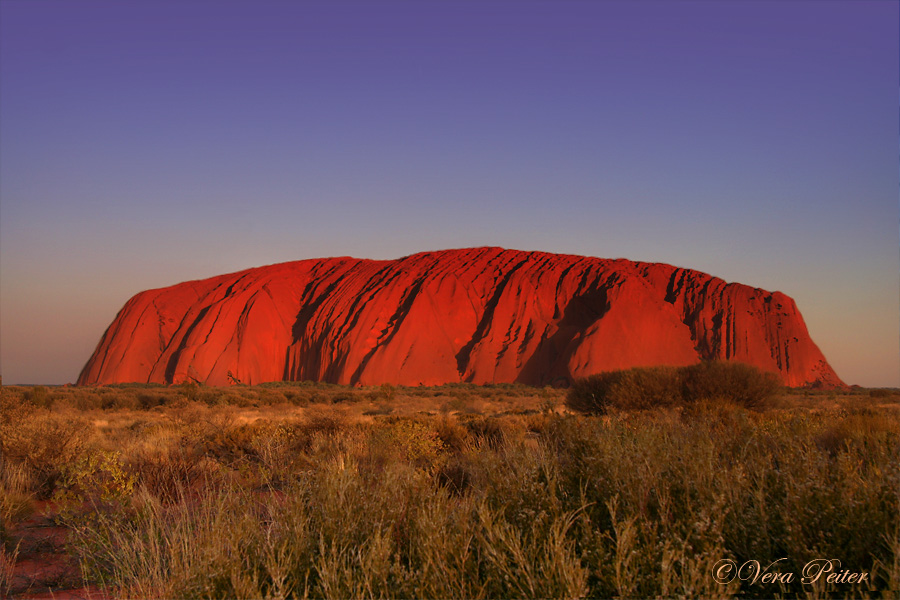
x,y
644,388
302,490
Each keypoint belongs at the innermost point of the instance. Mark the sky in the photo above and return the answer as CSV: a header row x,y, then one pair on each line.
x,y
147,143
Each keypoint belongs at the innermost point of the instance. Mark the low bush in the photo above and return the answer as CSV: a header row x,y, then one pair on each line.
x,y
44,444
637,388
740,383
643,388
148,401
39,397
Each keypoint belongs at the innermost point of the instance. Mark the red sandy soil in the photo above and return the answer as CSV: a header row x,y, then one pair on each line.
x,y
480,315
43,569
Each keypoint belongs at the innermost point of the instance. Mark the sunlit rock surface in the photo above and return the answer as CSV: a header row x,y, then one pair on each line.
x,y
482,315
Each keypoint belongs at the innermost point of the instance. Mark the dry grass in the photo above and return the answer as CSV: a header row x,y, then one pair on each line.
x,y
301,490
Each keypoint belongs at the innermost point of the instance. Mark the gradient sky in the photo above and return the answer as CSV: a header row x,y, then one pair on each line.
x,y
147,143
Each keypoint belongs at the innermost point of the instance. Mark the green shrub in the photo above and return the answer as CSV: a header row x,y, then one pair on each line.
x,y
740,383
39,397
649,387
148,401
45,444
190,390
348,397
414,441
99,475
637,388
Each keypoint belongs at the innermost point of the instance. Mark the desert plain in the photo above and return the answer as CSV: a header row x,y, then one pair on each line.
x,y
290,490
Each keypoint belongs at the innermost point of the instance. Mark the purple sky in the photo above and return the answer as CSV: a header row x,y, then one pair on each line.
x,y
147,143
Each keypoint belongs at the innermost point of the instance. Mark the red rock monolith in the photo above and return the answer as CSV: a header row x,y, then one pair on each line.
x,y
482,315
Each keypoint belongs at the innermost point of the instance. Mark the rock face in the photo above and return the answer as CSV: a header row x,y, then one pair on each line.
x,y
477,315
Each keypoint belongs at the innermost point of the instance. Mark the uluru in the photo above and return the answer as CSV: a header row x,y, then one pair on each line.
x,y
480,315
